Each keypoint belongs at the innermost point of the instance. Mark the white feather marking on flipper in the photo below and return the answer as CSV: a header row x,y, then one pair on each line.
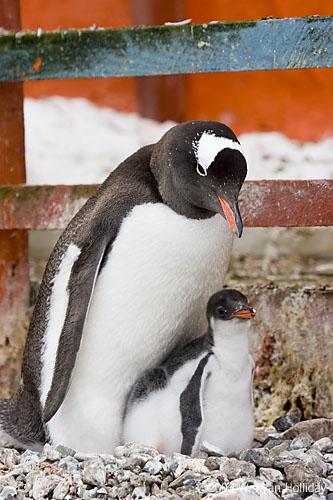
x,y
56,318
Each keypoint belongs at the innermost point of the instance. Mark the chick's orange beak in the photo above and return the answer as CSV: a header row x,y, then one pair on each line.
x,y
244,313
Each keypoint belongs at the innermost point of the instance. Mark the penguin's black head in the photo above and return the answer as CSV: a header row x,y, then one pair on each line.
x,y
228,304
200,169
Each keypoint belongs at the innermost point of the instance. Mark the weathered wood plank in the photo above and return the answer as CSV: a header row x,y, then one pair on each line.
x,y
14,270
160,50
262,204
287,203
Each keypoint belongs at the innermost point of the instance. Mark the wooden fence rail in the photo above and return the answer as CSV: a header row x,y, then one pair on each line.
x,y
160,50
262,204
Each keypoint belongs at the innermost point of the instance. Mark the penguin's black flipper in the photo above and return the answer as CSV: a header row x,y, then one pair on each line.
x,y
80,289
191,408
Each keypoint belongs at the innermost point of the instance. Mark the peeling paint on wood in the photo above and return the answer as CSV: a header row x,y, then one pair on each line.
x,y
162,50
14,271
262,204
286,203
292,344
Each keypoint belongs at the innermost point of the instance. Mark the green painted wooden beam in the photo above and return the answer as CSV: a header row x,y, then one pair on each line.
x,y
158,50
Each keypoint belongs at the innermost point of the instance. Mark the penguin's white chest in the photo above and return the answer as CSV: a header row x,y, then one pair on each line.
x,y
154,286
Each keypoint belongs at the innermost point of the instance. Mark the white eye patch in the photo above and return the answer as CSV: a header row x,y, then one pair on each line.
x,y
208,147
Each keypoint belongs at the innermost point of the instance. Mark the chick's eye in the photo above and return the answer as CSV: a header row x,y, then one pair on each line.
x,y
221,310
201,171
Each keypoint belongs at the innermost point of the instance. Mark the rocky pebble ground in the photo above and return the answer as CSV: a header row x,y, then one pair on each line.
x,y
292,464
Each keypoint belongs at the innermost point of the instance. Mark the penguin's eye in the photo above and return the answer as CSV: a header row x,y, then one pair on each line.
x,y
201,171
221,310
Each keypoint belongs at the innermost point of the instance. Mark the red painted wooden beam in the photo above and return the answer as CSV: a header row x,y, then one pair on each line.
x,y
287,203
262,204
14,271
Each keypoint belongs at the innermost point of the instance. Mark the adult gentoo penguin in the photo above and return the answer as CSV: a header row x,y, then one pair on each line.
x,y
131,273
203,391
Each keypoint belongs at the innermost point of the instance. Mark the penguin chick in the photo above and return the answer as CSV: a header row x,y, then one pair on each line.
x,y
203,390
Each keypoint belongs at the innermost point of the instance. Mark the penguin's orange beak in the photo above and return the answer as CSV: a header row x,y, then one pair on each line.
x,y
232,215
245,313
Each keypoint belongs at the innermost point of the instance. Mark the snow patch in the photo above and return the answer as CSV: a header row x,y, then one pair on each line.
x,y
72,141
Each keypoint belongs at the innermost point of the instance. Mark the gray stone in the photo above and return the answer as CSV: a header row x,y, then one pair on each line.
x,y
304,479
129,448
212,450
289,494
86,493
77,479
316,497
210,485
213,463
70,464
257,456
51,453
8,493
148,479
31,478
94,472
122,463
153,467
270,475
7,480
247,493
9,457
82,457
311,460
21,478
102,491
285,422
65,451
178,465
328,482
108,458
317,428
284,459
135,460
30,456
44,485
124,475
264,434
139,492
303,440
186,476
324,444
234,468
272,442
197,465
61,490
279,449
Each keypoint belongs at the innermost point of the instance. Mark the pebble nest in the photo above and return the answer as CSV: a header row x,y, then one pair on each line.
x,y
292,464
